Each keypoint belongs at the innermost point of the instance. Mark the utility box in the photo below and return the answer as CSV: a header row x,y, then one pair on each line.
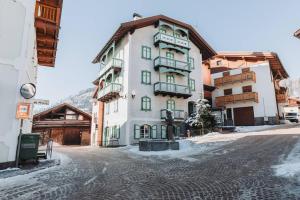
x,y
29,146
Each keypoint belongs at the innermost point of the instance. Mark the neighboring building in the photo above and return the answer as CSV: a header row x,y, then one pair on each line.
x,y
149,65
28,38
297,34
247,87
65,124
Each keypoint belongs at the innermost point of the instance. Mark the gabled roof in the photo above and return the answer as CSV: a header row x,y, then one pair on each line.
x,y
273,58
297,34
61,106
130,26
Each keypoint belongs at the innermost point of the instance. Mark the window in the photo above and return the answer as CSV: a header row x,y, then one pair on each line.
x,y
226,73
191,62
247,88
115,133
146,104
170,79
145,131
192,84
116,105
163,30
178,35
170,59
244,70
146,77
228,92
163,132
107,108
219,62
171,104
146,52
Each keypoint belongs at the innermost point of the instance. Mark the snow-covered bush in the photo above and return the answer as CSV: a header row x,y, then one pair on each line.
x,y
203,117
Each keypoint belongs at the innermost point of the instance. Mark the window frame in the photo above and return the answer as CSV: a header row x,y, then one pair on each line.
x,y
147,101
192,84
225,92
147,76
146,48
173,103
191,62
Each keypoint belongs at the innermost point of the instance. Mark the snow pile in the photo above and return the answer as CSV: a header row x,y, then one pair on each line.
x,y
245,129
290,168
187,147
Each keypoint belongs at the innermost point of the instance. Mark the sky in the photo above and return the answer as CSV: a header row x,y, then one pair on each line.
x,y
231,25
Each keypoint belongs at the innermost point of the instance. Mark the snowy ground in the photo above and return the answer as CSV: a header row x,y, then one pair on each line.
x,y
201,144
290,167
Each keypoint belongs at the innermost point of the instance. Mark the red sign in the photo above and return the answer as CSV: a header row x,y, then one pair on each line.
x,y
23,111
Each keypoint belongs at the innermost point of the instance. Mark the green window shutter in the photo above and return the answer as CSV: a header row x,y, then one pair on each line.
x,y
136,131
118,132
154,132
191,62
163,132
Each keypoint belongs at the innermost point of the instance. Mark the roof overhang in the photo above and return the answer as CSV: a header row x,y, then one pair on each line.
x,y
47,24
130,26
274,60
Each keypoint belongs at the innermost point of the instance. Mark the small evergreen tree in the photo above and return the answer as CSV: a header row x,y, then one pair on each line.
x,y
203,117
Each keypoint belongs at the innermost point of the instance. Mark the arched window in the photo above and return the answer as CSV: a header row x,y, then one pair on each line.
x,y
146,103
171,104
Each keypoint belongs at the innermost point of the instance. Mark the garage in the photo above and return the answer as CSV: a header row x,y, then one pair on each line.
x,y
243,116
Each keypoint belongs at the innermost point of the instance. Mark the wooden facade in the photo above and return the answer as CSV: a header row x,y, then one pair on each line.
x,y
47,24
64,124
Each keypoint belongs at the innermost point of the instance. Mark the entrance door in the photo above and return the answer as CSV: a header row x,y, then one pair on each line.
x,y
243,116
191,107
72,137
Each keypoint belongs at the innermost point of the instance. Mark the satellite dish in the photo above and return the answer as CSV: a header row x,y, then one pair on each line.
x,y
28,90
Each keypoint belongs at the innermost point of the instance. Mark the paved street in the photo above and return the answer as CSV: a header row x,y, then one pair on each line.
x,y
239,170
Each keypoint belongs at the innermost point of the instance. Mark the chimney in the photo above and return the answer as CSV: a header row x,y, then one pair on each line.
x,y
137,16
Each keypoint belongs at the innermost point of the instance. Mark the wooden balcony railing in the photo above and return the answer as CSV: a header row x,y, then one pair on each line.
x,y
47,12
281,98
236,98
237,78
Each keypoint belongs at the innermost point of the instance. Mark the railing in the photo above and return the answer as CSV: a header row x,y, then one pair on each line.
x,y
177,114
236,98
171,87
47,12
281,98
110,88
171,40
162,61
114,62
237,78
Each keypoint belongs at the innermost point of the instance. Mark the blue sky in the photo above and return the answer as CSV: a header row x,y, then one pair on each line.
x,y
231,25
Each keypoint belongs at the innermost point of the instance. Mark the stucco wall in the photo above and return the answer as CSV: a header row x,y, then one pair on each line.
x,y
17,66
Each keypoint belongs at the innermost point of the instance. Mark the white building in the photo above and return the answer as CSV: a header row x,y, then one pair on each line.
x,y
149,65
28,38
247,87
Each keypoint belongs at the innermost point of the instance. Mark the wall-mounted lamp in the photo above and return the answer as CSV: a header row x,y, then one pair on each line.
x,y
133,94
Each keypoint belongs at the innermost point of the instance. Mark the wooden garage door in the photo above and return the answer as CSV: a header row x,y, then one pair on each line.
x,y
72,137
243,116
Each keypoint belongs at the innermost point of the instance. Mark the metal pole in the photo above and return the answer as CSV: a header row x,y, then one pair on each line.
x,y
19,143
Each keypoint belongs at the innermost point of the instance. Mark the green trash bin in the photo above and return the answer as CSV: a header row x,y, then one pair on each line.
x,y
29,146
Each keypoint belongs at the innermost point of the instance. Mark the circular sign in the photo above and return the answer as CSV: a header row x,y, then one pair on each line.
x,y
28,90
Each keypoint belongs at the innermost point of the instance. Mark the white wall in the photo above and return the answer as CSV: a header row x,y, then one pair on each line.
x,y
17,66
263,86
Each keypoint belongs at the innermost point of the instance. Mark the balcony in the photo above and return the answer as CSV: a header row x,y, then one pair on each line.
x,y
170,39
115,64
161,88
281,98
110,91
47,24
237,78
236,98
172,65
177,114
